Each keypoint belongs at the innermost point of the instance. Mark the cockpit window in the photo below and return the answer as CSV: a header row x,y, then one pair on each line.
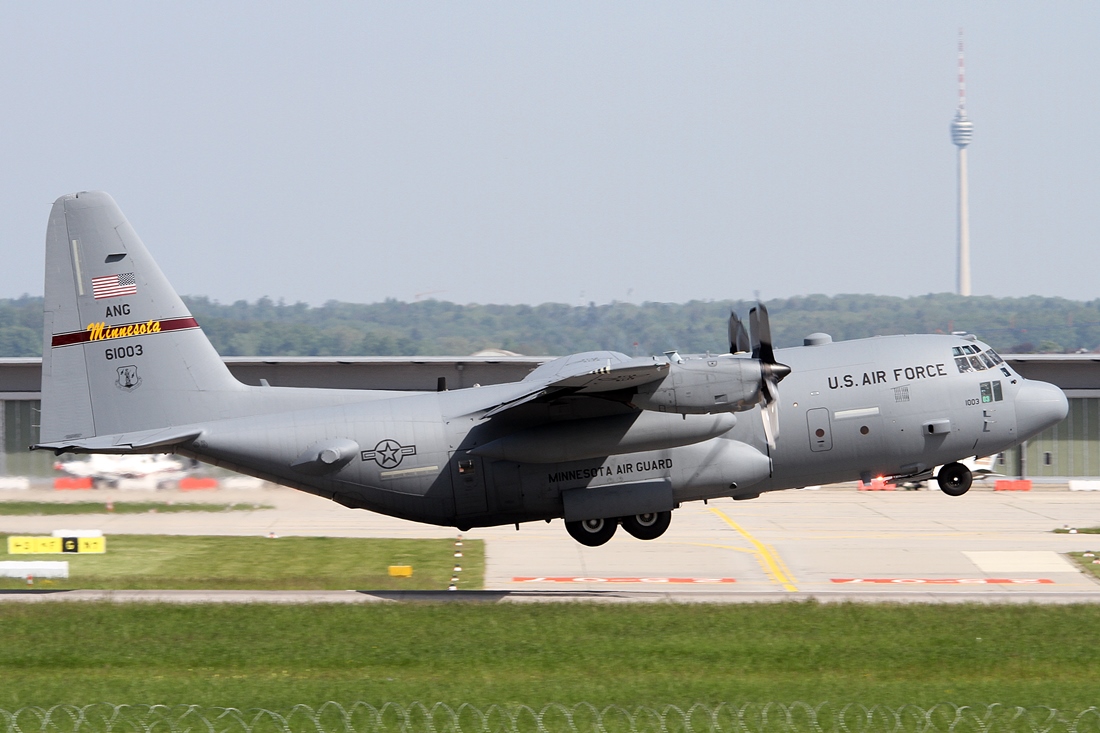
x,y
970,358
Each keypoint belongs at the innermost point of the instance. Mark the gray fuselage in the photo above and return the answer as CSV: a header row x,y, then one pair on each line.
x,y
889,406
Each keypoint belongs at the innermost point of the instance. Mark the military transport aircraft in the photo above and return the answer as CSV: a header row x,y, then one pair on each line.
x,y
598,438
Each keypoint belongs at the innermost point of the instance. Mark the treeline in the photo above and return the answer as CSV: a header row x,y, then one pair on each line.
x,y
393,328
21,326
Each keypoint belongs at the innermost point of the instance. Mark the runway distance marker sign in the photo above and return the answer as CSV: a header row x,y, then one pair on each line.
x,y
55,545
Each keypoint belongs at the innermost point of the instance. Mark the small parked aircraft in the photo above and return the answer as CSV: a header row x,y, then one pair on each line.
x,y
111,469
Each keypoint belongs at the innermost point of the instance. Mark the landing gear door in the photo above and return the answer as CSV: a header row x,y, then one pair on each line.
x,y
468,480
821,434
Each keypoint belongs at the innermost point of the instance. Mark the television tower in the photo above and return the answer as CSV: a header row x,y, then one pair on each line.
x,y
962,130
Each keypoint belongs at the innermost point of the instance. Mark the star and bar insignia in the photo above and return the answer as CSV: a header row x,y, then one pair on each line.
x,y
389,453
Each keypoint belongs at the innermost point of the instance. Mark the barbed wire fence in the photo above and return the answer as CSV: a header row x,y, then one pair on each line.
x,y
332,717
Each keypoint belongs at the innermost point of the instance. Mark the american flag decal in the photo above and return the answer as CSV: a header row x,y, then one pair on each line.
x,y
112,286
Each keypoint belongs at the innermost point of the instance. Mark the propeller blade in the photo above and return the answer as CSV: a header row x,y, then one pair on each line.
x,y
739,337
754,332
761,334
769,413
772,372
759,340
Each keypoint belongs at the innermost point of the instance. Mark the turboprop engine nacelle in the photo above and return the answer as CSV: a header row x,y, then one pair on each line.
x,y
577,440
703,385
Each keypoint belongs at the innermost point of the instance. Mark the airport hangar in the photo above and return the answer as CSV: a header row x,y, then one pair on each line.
x,y
1070,449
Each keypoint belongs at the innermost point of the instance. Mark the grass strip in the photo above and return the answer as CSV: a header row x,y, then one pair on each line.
x,y
1087,562
275,656
49,508
260,563
1078,530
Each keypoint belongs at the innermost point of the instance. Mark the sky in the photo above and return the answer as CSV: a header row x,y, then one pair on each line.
x,y
496,152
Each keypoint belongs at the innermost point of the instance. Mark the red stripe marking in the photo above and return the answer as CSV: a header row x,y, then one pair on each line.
x,y
80,337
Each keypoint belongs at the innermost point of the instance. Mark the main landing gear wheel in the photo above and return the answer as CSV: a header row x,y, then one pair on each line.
x,y
955,479
647,526
592,532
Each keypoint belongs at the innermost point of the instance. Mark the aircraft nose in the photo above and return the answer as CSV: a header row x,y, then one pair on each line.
x,y
1038,406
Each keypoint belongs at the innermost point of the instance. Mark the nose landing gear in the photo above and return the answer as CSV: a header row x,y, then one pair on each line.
x,y
954,479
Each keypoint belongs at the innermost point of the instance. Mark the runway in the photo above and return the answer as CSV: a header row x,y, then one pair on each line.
x,y
836,544
353,597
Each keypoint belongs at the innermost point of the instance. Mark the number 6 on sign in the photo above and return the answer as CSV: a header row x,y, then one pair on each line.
x,y
55,545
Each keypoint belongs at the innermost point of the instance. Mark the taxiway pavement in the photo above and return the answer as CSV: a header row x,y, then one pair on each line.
x,y
832,544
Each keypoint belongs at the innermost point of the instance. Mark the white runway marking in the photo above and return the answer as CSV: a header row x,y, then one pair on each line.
x,y
1020,561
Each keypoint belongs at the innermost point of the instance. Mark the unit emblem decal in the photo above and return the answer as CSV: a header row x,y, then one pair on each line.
x,y
128,379
389,453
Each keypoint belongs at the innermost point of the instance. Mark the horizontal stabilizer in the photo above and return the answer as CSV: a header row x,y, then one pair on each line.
x,y
148,441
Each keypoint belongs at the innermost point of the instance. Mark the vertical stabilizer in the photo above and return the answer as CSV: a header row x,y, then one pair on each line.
x,y
121,352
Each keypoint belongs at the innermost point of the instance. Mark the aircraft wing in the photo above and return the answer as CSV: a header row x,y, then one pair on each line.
x,y
610,377
614,376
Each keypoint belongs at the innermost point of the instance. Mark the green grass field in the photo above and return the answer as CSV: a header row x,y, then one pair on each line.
x,y
275,656
259,563
46,508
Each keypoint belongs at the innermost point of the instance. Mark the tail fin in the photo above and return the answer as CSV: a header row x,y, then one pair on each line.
x,y
120,353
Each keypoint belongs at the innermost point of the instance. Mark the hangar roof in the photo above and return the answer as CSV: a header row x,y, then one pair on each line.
x,y
20,378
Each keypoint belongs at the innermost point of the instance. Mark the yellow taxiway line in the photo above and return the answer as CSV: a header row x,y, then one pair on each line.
x,y
720,547
767,556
